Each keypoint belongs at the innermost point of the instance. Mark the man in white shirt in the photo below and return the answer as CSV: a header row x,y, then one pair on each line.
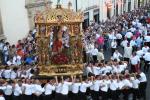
x,y
96,87
48,88
127,85
58,87
17,93
100,56
135,61
8,90
83,88
95,69
145,48
28,90
117,55
65,89
94,53
104,88
37,90
146,58
6,52
143,84
75,89
6,73
13,73
113,46
136,92
113,87
127,52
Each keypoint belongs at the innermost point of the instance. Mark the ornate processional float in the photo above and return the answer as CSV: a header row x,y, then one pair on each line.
x,y
59,43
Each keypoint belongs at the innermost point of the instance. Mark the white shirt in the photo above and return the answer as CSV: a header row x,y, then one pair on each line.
x,y
132,43
120,85
117,56
75,87
2,98
84,86
96,70
108,69
94,51
127,83
135,83
143,77
88,70
9,63
147,38
113,44
135,60
6,73
127,51
145,49
13,75
37,89
48,89
113,85
96,85
65,87
58,87
17,60
17,90
104,86
5,50
140,53
147,56
124,43
28,89
8,90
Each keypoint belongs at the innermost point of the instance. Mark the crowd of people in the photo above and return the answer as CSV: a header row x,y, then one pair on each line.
x,y
115,78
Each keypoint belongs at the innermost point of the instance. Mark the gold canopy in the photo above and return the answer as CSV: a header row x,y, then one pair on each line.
x,y
59,15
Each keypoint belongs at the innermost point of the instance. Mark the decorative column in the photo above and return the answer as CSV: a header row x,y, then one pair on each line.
x,y
1,29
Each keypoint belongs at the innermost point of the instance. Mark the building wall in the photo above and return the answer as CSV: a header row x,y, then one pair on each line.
x,y
14,19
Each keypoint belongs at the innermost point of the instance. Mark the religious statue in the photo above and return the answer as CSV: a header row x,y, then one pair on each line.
x,y
57,44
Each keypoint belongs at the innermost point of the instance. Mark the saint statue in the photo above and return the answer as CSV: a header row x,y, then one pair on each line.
x,y
57,45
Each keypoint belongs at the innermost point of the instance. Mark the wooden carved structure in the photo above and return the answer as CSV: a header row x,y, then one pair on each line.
x,y
56,59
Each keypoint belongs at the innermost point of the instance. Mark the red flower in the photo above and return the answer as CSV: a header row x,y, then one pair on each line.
x,y
59,59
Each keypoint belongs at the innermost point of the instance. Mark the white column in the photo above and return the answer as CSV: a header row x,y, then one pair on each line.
x,y
101,11
91,17
132,4
1,28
